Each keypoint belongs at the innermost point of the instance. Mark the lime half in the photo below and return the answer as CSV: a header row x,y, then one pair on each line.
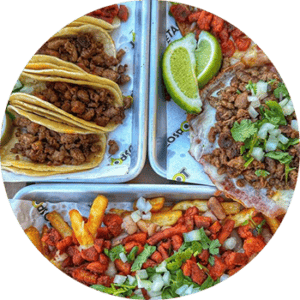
x,y
179,73
6,128
208,58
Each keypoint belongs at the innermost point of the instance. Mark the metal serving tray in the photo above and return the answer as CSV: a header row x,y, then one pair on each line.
x,y
140,107
119,195
157,139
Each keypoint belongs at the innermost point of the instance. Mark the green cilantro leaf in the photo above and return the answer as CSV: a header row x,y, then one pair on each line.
x,y
176,260
238,92
205,241
214,247
240,132
291,142
132,254
260,226
281,91
272,81
262,173
251,87
288,169
115,252
211,260
245,223
209,282
142,257
248,162
275,114
282,157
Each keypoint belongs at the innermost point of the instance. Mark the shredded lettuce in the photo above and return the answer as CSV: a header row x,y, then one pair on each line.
x,y
132,254
115,252
142,257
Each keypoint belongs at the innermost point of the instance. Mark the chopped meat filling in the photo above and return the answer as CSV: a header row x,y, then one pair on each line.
x,y
89,54
42,145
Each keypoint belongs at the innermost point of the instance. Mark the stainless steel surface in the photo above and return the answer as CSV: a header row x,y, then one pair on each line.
x,y
115,192
157,139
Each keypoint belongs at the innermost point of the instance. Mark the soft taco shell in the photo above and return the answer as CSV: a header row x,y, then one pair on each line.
x,y
25,166
36,83
84,20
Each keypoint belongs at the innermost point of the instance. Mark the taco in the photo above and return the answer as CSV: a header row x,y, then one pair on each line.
x,y
94,106
247,138
108,18
88,47
42,147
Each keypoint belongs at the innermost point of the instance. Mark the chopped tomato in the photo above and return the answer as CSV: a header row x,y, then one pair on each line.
x,y
204,20
243,43
228,48
217,24
110,11
236,33
123,13
180,12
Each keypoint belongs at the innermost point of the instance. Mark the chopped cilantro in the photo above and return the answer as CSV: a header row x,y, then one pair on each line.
x,y
274,114
291,142
142,257
115,252
238,92
176,260
240,132
251,87
132,254
259,227
272,81
209,282
288,169
211,260
282,157
214,247
248,162
262,173
281,91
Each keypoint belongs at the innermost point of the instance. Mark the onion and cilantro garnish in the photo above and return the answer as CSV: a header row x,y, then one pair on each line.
x,y
263,138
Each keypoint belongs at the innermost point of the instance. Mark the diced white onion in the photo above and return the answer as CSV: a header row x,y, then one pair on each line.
x,y
120,279
147,216
131,279
230,243
224,277
138,292
142,274
17,85
157,284
262,90
264,129
27,89
283,102
60,257
154,294
141,204
283,139
139,281
294,125
123,257
136,216
275,132
195,290
191,236
252,98
111,270
257,153
255,104
161,268
148,207
272,143
156,298
180,291
252,112
166,278
189,290
288,109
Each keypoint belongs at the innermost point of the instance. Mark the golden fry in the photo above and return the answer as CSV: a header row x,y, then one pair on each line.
x,y
242,216
167,218
96,214
44,245
156,203
34,235
81,232
231,208
59,224
273,223
184,205
117,211
166,208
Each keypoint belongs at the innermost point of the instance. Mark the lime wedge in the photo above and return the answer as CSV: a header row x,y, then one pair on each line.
x,y
6,128
179,73
208,58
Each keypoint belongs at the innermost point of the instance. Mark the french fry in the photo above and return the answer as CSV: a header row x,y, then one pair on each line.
x,y
230,208
273,223
96,214
34,235
156,203
117,211
166,208
167,218
81,232
59,224
242,216
184,205
44,245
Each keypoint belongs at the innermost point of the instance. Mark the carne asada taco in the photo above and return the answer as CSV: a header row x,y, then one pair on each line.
x,y
88,47
42,147
89,105
108,18
247,138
